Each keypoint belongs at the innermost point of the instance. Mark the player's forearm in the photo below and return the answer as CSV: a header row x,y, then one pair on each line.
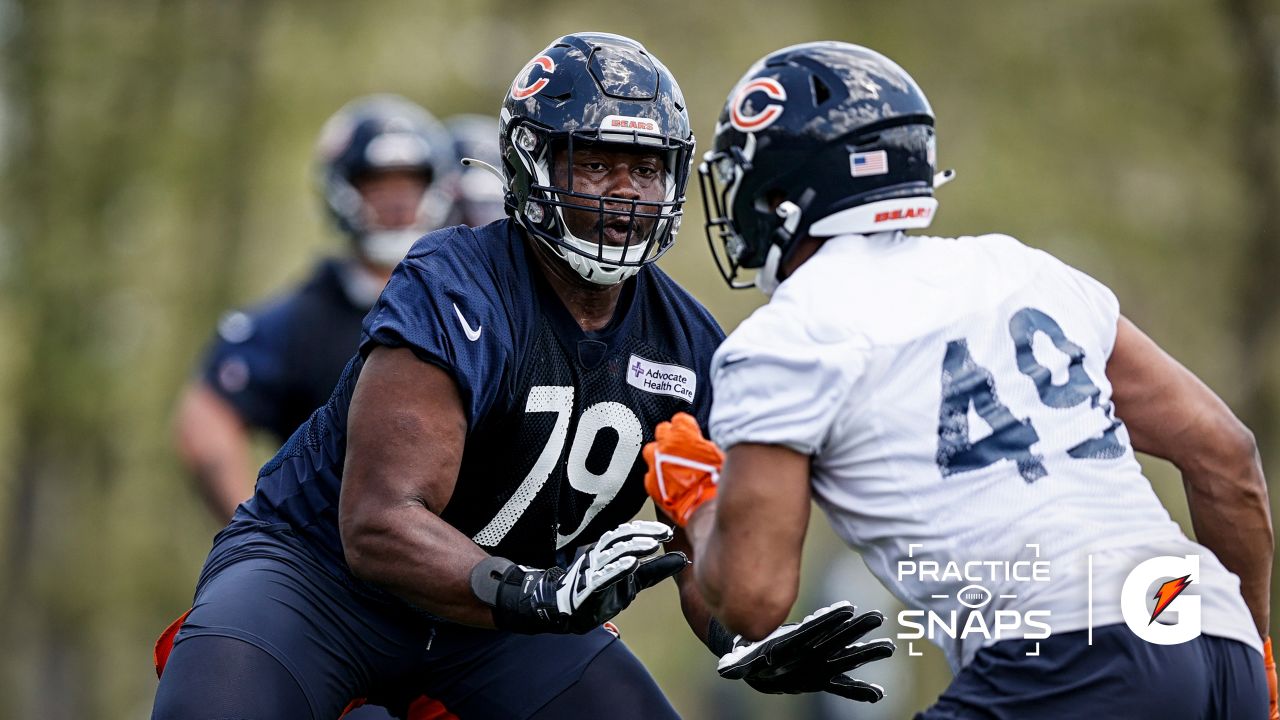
x,y
1171,414
414,554
749,597
697,612
695,609
699,615
706,565
224,483
213,444
1230,512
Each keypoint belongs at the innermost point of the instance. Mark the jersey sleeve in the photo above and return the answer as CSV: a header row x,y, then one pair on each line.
x,y
1097,302
433,306
779,380
1100,303
246,366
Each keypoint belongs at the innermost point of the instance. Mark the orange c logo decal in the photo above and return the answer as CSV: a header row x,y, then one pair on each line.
x,y
763,119
520,90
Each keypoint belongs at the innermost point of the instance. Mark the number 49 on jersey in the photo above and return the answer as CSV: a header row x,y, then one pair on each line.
x,y
965,383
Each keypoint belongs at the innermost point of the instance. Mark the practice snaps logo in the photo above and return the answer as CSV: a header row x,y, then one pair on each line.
x,y
1153,603
982,604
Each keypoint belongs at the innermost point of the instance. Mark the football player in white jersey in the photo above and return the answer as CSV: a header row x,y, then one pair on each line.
x,y
966,412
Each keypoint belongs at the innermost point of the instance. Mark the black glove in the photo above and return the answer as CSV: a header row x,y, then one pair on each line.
x,y
597,586
812,655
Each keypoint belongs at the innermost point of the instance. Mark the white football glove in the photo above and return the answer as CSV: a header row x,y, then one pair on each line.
x,y
596,587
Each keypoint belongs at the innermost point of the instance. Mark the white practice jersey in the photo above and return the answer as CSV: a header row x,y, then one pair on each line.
x,y
953,395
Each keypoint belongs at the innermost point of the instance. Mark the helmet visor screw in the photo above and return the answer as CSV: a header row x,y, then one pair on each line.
x,y
526,140
533,211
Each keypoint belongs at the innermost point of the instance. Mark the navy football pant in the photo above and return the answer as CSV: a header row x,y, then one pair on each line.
x,y
1121,676
273,634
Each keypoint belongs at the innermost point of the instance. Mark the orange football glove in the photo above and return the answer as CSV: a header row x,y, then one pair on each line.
x,y
684,467
1270,663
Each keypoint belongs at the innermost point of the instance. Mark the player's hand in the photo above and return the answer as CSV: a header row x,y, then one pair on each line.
x,y
596,587
1270,663
684,467
812,655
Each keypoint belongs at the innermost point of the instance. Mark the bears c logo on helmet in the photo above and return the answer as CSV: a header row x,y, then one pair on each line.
x,y
763,119
521,89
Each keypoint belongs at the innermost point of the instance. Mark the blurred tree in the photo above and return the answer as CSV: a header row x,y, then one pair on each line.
x,y
1253,26
93,97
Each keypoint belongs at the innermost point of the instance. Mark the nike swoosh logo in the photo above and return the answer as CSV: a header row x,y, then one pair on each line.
x,y
472,335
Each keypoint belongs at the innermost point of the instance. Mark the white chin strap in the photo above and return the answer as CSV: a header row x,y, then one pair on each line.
x,y
386,248
596,271
767,276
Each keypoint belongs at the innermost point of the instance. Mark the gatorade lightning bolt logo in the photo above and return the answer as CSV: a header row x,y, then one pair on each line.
x,y
1167,593
1135,594
772,89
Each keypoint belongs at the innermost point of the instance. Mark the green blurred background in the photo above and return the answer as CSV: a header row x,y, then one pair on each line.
x,y
154,170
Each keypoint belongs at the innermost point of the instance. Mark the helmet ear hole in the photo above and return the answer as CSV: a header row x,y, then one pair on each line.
x,y
773,197
821,93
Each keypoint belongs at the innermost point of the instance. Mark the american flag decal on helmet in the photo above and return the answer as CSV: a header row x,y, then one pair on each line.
x,y
875,162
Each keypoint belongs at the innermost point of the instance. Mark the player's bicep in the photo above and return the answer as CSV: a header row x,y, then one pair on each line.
x,y
406,432
1168,411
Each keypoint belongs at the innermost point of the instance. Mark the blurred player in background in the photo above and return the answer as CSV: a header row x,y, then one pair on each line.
x,y
952,401
454,520
388,174
478,196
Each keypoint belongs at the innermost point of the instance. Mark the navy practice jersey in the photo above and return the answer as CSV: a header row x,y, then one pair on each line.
x,y
279,361
556,416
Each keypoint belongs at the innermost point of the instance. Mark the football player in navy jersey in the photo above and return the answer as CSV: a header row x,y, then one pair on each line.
x,y
386,170
456,519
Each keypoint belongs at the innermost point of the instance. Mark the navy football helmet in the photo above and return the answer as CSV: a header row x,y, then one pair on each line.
x,y
382,133
594,88
478,200
819,139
